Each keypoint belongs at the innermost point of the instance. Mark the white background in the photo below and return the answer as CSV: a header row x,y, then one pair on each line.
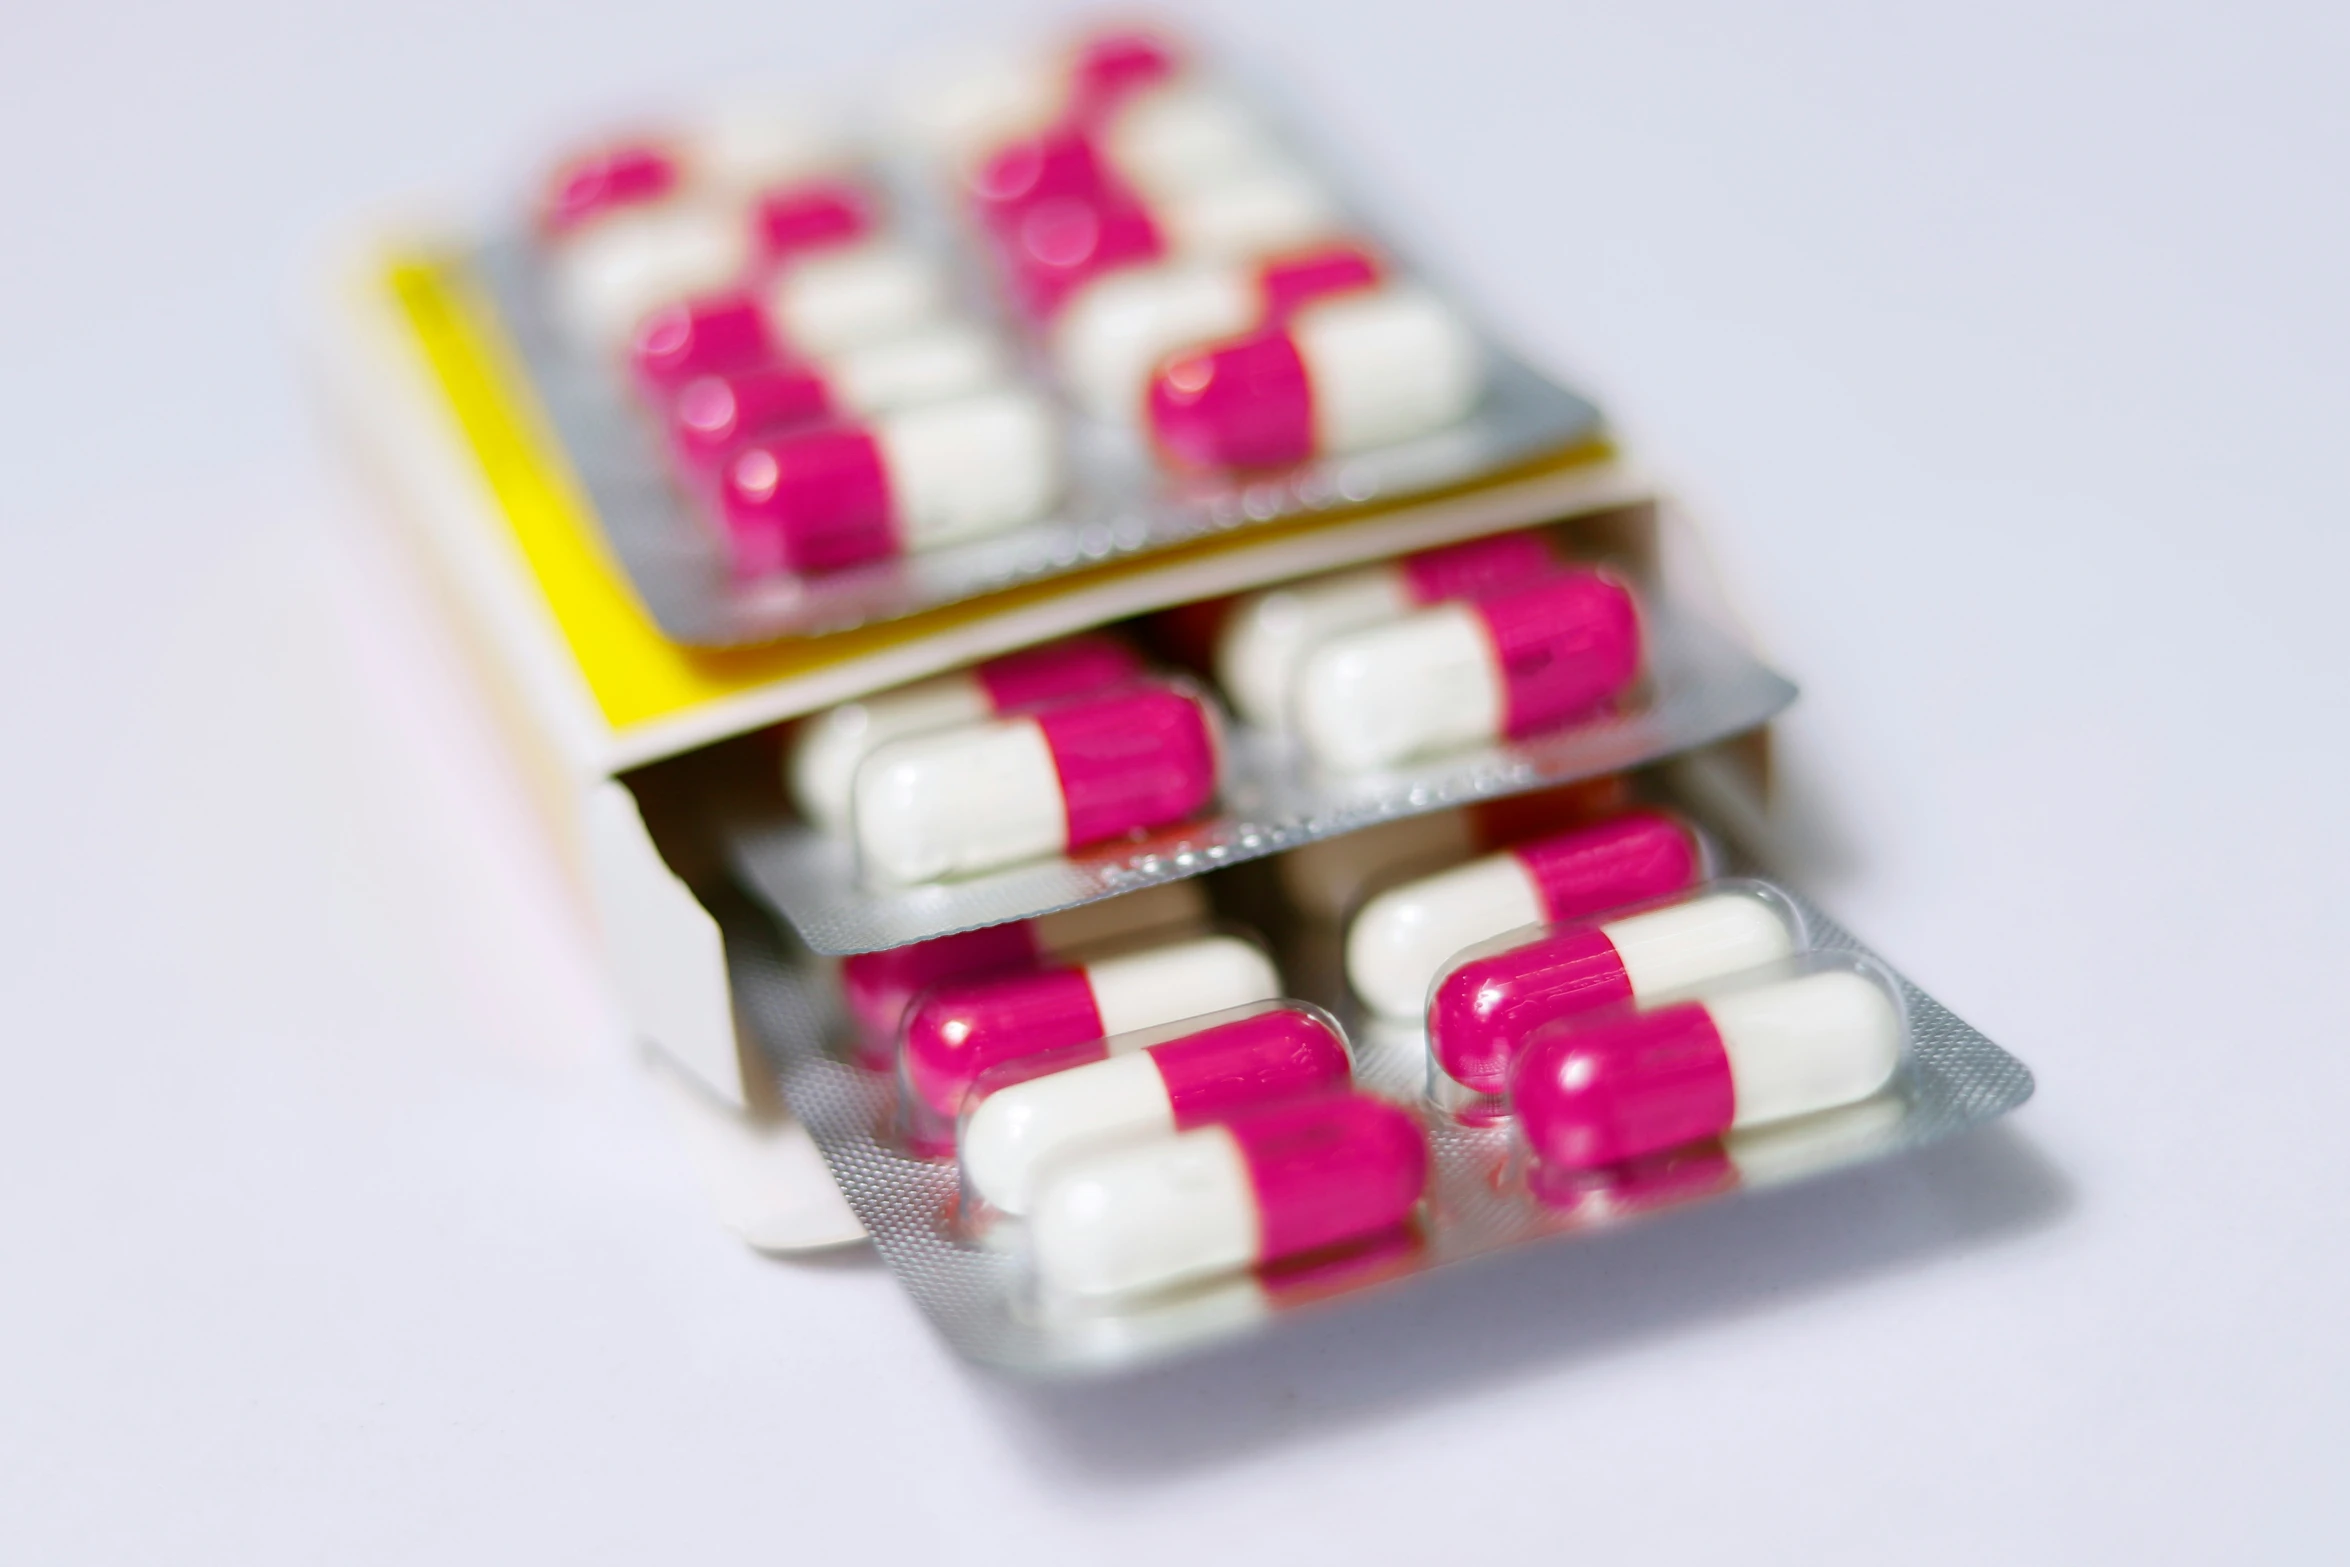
x,y
2006,349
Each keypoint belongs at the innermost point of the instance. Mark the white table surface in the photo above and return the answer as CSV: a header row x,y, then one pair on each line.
x,y
2006,349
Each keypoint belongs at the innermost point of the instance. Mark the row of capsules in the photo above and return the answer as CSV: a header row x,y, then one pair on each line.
x,y
827,393
1078,744
822,397
1182,270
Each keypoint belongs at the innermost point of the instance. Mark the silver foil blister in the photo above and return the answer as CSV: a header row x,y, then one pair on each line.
x,y
1480,1200
1701,687
1119,503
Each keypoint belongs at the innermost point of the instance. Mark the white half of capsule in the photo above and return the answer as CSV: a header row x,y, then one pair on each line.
x,y
1807,1044
1018,1132
966,109
959,800
1145,1216
918,367
1386,365
1267,209
854,295
1181,135
745,145
1403,937
1697,941
1385,694
630,263
1180,979
1268,635
969,467
825,753
1111,337
1330,876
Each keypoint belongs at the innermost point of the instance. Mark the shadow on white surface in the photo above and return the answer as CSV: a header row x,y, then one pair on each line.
x,y
1529,1314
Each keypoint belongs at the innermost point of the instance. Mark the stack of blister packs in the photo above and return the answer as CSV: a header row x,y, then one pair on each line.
x,y
1334,868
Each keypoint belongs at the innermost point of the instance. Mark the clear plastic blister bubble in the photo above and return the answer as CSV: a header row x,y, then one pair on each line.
x,y
817,379
1141,758
1485,1191
1489,999
959,1029
1700,687
1024,1118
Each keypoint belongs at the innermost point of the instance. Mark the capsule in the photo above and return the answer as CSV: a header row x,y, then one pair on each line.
x,y
1404,935
1345,374
878,986
714,414
975,107
1267,635
1275,1183
1506,664
1054,247
739,149
1590,1093
606,280
1482,1010
823,302
1157,146
1329,878
1115,330
1010,789
965,1027
1109,1092
842,494
822,766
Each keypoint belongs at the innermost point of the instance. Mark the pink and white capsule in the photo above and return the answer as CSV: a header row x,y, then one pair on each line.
x,y
1596,1093
1267,635
1344,374
839,495
1403,936
1487,1005
714,414
846,297
1114,331
827,749
963,1029
878,986
1128,1091
983,795
1501,665
1274,1183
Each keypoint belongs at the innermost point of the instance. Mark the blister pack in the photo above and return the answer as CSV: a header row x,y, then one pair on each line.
x,y
1078,771
1082,303
1089,1150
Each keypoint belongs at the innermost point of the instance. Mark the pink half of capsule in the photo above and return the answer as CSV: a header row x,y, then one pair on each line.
x,y
1055,245
1484,1011
1561,647
1497,562
629,175
1590,1093
811,501
1288,283
878,986
792,220
713,414
1286,1181
1111,67
1135,759
716,334
1044,1106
